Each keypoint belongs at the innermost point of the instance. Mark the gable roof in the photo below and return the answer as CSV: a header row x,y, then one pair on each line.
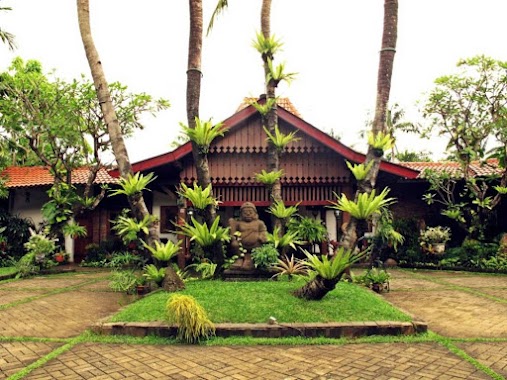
x,y
476,169
31,176
287,116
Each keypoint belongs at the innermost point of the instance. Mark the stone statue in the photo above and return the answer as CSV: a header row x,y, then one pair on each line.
x,y
247,233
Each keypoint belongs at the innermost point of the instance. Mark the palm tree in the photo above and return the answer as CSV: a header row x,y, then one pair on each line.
x,y
136,200
387,52
6,37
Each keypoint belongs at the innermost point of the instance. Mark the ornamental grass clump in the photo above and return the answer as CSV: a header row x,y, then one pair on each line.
x,y
191,318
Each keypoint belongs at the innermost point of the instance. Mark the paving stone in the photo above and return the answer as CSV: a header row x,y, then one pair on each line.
x,y
10,295
455,313
15,356
363,361
493,355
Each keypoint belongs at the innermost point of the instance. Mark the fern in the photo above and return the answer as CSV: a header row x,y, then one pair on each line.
x,y
330,269
366,204
359,171
204,236
279,139
380,141
280,211
133,184
163,251
267,46
200,198
269,178
204,133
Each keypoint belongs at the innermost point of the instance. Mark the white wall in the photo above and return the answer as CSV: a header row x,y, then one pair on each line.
x,y
27,203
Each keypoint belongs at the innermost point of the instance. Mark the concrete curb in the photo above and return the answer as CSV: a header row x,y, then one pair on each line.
x,y
264,330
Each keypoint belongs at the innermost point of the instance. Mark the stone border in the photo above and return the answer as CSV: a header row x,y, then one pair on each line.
x,y
264,330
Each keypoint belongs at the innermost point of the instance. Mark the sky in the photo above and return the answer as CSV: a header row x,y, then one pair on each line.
x,y
332,45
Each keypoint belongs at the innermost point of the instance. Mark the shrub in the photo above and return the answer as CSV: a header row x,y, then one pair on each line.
x,y
124,281
192,320
264,256
16,234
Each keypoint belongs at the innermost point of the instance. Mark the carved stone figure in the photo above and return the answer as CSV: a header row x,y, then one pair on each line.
x,y
247,233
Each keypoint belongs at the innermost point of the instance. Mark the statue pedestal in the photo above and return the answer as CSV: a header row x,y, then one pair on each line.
x,y
246,275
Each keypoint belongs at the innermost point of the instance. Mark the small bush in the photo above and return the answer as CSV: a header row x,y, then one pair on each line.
x,y
124,281
192,320
265,256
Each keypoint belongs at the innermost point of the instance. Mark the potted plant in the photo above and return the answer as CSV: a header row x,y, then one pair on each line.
x,y
376,279
433,239
61,257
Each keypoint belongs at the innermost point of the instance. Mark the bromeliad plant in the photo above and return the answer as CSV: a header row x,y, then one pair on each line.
x,y
283,213
163,252
130,229
283,241
289,267
279,139
360,171
133,184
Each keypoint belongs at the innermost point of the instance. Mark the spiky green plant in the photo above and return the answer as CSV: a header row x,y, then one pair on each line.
x,y
360,171
263,109
206,269
267,46
289,267
278,74
331,268
279,139
288,239
191,318
280,211
163,251
133,184
380,141
204,236
204,133
74,230
153,274
200,198
366,204
129,228
501,189
269,178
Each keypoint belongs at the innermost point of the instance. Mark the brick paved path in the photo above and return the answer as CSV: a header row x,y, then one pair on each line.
x,y
454,304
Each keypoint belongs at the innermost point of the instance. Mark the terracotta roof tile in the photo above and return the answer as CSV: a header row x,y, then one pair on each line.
x,y
30,176
477,168
282,102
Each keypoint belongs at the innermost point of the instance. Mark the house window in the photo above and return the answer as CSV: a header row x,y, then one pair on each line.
x,y
168,217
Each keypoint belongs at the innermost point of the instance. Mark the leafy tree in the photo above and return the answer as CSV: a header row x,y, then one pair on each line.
x,y
409,156
469,109
60,125
111,120
6,37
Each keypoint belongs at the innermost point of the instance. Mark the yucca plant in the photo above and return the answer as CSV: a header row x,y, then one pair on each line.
x,y
280,211
204,133
279,139
204,236
366,204
191,318
360,171
163,251
329,271
289,267
129,228
269,178
200,198
133,184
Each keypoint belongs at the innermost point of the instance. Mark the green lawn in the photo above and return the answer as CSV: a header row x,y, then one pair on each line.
x,y
255,302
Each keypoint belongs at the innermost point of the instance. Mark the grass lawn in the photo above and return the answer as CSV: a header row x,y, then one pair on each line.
x,y
7,270
255,302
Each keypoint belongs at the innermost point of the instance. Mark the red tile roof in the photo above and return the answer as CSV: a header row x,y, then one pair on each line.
x,y
282,102
477,168
30,176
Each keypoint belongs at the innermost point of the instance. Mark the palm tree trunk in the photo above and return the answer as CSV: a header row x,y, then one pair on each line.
x,y
137,203
387,52
317,288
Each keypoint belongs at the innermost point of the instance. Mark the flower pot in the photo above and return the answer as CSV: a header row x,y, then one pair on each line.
x,y
59,258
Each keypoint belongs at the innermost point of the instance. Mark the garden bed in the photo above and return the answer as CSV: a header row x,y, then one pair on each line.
x,y
268,309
